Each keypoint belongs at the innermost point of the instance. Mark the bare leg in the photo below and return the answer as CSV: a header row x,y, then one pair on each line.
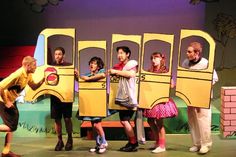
x,y
4,128
161,128
129,131
97,138
7,145
99,129
162,132
102,140
101,143
8,138
152,124
128,128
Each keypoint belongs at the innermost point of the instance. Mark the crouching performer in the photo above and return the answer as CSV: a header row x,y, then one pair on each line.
x,y
10,88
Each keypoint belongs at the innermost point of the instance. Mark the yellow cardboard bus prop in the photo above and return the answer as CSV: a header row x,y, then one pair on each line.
x,y
92,95
154,88
113,80
194,86
59,79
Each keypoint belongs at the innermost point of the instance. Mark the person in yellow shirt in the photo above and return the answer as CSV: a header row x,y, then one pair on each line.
x,y
10,88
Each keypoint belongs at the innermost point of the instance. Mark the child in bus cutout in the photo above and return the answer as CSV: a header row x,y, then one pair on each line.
x,y
96,73
160,111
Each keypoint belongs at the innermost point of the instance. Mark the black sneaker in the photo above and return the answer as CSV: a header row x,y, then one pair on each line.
x,y
69,145
59,146
129,147
122,148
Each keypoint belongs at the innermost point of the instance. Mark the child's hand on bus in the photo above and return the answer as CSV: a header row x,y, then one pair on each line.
x,y
76,73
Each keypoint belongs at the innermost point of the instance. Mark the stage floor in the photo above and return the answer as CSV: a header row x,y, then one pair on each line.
x,y
35,121
177,146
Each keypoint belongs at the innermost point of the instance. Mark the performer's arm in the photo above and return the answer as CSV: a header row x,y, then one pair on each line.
x,y
5,84
96,77
34,85
124,73
7,102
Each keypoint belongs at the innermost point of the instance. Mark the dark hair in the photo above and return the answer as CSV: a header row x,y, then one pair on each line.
x,y
99,61
125,49
61,49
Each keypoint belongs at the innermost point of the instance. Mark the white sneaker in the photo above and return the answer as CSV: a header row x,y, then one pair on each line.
x,y
194,149
159,150
204,150
95,149
103,148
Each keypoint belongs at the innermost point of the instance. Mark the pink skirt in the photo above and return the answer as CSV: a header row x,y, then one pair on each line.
x,y
162,110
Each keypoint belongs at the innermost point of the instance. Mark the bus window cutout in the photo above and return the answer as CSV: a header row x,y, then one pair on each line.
x,y
56,41
61,81
155,87
116,40
92,95
194,86
184,46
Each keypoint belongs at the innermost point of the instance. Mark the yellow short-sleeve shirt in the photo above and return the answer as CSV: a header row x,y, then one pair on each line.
x,y
15,83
